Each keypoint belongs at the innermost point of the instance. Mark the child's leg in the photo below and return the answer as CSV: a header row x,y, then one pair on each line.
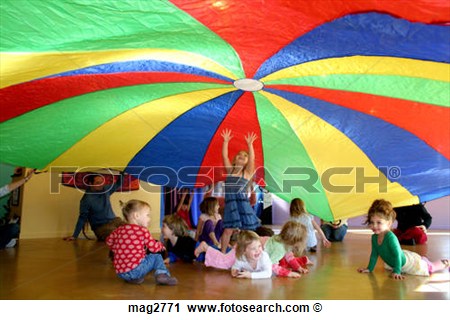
x,y
217,259
295,263
300,264
340,233
416,233
162,275
439,265
327,231
149,263
202,247
413,235
225,239
304,261
283,263
156,263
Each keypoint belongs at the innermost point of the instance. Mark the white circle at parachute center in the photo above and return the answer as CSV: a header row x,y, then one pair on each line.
x,y
248,84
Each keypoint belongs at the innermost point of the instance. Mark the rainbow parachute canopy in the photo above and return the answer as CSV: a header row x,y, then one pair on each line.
x,y
349,99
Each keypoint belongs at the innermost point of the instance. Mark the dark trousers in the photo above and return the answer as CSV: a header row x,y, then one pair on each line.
x,y
105,230
7,232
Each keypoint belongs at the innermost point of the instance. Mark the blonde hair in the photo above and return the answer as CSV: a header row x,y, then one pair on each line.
x,y
176,224
233,163
383,209
208,205
132,206
297,207
244,239
293,235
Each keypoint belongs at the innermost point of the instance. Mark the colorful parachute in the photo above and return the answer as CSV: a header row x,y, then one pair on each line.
x,y
350,99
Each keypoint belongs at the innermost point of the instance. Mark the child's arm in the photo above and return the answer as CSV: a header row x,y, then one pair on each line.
x,y
373,258
397,276
153,245
392,242
191,197
264,270
279,271
226,134
216,242
238,265
234,272
117,184
325,241
200,224
294,262
244,274
250,138
110,240
180,203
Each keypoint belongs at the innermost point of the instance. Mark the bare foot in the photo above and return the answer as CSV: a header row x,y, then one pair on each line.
x,y
446,264
293,274
203,246
302,270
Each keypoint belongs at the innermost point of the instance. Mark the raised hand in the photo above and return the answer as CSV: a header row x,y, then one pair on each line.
x,y
250,137
226,134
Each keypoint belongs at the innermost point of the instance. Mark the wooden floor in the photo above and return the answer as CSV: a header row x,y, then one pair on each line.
x,y
54,269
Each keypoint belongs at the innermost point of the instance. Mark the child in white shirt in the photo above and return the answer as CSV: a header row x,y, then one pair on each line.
x,y
252,261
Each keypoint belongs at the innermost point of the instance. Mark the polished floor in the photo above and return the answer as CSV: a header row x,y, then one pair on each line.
x,y
54,269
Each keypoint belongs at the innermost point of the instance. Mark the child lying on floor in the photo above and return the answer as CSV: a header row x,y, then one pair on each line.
x,y
179,245
284,251
251,261
385,244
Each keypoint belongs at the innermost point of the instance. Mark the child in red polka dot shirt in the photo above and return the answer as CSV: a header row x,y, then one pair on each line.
x,y
129,244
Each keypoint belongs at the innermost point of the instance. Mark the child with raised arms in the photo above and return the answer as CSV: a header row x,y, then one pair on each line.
x,y
238,212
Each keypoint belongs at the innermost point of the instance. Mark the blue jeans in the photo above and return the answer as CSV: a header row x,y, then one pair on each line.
x,y
149,263
333,234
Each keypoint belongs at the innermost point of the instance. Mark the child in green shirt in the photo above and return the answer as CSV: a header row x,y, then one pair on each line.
x,y
385,244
